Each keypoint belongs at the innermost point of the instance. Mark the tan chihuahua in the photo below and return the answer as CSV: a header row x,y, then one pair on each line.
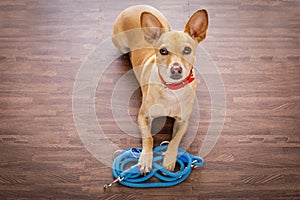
x,y
162,61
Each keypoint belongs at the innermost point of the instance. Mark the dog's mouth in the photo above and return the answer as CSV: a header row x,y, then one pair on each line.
x,y
176,76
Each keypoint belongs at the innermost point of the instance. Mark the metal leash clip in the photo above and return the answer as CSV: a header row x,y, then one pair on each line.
x,y
164,143
194,166
119,179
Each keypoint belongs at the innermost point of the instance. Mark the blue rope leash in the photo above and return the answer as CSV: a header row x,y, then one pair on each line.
x,y
131,176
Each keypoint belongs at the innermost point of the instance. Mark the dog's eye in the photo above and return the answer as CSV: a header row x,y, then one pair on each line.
x,y
164,51
187,50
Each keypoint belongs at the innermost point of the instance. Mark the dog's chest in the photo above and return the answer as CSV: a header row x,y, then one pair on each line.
x,y
165,102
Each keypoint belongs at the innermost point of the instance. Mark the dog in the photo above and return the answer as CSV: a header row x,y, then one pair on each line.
x,y
162,60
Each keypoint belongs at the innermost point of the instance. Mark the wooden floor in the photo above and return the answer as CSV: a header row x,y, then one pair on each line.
x,y
256,46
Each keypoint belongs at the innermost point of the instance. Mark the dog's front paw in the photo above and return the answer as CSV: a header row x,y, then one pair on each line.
x,y
170,160
145,162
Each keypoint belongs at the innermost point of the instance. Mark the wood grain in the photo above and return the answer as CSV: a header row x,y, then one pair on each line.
x,y
255,45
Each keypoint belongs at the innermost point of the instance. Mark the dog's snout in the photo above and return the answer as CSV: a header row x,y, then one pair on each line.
x,y
176,69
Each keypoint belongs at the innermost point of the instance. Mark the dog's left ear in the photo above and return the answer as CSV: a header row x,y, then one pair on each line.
x,y
151,26
197,25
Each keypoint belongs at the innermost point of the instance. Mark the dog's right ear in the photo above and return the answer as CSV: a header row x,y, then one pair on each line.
x,y
151,27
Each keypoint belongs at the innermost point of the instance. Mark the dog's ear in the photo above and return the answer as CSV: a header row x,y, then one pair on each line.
x,y
151,27
197,25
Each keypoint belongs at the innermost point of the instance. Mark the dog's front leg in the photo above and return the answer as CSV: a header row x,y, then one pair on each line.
x,y
172,151
146,157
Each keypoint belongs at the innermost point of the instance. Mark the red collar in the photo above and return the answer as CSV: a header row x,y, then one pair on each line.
x,y
180,84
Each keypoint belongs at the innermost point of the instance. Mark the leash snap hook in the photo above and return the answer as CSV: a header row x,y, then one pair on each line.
x,y
193,164
163,143
119,179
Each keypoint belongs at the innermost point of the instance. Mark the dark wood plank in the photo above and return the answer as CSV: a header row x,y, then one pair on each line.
x,y
254,44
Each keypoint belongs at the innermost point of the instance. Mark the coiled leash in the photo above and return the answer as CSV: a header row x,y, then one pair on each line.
x,y
131,176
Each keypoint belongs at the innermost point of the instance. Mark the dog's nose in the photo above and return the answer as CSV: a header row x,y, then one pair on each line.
x,y
176,69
